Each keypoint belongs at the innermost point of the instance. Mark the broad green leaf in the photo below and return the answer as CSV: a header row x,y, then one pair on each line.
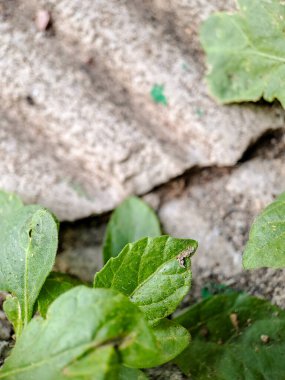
x,y
55,285
266,244
78,323
12,310
171,339
131,221
234,336
155,273
101,364
246,52
28,244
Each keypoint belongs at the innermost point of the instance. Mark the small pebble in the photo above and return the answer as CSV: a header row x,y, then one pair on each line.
x,y
43,20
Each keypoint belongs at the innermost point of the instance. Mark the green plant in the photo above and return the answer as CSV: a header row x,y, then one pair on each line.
x,y
131,221
246,52
234,336
105,332
68,330
28,244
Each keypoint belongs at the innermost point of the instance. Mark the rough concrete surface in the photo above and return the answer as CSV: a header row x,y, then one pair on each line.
x,y
215,206
75,101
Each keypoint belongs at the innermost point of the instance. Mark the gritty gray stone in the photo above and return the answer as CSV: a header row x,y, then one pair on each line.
x,y
214,206
79,128
80,251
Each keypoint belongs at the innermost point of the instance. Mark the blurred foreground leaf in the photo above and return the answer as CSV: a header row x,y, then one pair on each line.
x,y
234,336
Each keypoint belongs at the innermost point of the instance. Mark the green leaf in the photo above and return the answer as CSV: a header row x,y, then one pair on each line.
x,y
131,221
266,244
155,273
55,285
172,339
234,336
127,373
78,323
12,310
28,244
101,364
246,52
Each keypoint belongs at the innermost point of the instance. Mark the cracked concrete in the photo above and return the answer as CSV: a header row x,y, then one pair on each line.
x,y
75,100
215,206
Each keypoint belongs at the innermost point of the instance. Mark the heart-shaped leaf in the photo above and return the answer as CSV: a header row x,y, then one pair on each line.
x,y
155,273
265,247
131,221
28,244
234,336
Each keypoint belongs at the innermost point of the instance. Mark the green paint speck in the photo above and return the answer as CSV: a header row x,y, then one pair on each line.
x,y
157,94
185,66
200,112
